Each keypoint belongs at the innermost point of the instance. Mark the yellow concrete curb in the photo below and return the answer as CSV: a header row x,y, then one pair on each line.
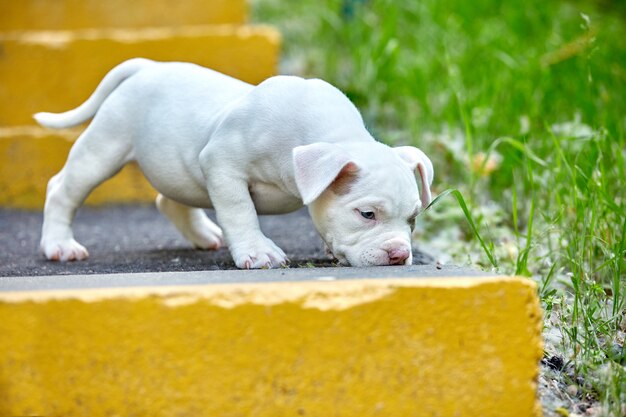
x,y
80,14
31,155
410,347
57,70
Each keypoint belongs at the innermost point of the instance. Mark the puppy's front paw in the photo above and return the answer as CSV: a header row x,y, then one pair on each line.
x,y
258,254
64,250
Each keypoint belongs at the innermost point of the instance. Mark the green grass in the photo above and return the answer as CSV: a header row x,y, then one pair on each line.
x,y
522,107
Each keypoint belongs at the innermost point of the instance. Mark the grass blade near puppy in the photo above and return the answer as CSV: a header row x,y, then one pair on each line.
x,y
521,106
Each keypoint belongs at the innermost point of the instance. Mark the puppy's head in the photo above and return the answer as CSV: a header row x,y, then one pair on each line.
x,y
364,197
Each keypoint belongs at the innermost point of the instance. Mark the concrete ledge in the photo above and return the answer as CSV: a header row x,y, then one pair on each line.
x,y
397,347
57,70
80,14
31,155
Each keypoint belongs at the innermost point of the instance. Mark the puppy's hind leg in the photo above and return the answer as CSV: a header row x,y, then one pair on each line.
x,y
192,223
94,158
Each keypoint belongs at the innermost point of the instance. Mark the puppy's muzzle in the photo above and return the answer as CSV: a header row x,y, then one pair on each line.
x,y
398,256
398,251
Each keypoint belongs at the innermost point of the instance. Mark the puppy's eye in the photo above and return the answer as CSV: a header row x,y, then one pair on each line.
x,y
369,215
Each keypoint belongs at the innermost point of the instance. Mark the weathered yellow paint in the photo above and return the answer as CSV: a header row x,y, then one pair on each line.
x,y
31,155
56,71
414,347
81,14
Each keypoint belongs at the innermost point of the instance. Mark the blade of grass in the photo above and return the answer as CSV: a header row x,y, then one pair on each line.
x,y
521,267
522,147
468,216
616,282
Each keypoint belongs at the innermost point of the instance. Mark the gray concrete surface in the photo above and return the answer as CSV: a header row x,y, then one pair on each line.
x,y
136,239
56,282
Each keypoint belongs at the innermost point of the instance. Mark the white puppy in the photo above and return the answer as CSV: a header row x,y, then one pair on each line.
x,y
204,140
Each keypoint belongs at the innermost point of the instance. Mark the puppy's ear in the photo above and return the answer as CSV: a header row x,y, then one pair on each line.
x,y
317,166
419,162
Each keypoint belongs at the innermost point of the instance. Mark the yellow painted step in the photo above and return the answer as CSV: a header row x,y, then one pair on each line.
x,y
56,71
81,14
31,155
404,347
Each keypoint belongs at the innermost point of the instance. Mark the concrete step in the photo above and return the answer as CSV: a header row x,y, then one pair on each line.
x,y
57,70
320,346
31,155
82,14
211,341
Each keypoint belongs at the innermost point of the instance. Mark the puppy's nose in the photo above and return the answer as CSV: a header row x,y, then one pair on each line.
x,y
398,256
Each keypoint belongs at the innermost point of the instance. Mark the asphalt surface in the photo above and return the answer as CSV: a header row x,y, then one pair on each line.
x,y
138,239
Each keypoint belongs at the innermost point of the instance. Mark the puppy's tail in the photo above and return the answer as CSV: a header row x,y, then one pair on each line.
x,y
87,110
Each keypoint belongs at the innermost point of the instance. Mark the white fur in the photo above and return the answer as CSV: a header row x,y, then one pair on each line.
x,y
204,140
